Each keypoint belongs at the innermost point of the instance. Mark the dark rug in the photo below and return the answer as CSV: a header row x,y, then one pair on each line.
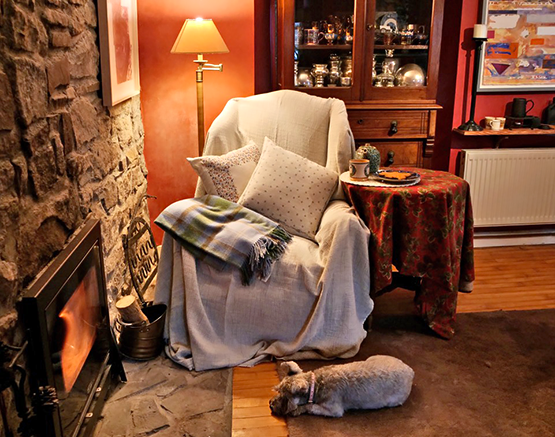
x,y
496,377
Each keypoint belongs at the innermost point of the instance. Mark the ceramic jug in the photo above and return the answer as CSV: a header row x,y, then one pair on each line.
x,y
369,152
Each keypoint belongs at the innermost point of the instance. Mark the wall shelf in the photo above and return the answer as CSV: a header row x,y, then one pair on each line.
x,y
503,134
506,132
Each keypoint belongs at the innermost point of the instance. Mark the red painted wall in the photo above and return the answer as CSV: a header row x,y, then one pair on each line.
x,y
495,104
168,88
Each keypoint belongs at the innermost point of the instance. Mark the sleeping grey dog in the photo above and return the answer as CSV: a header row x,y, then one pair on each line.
x,y
380,381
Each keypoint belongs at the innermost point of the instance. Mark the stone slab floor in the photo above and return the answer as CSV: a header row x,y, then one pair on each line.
x,y
162,399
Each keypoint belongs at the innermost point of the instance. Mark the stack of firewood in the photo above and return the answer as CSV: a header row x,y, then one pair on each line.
x,y
130,310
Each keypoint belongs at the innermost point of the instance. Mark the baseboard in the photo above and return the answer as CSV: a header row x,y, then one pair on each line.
x,y
492,240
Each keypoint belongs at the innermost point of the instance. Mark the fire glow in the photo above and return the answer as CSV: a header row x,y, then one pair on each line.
x,y
79,317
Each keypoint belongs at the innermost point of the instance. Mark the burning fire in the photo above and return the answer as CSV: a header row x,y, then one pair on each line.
x,y
79,316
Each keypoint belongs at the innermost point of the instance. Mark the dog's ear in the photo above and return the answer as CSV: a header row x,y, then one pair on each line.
x,y
291,368
291,405
299,386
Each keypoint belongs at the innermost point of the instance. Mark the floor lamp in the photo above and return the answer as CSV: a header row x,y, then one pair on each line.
x,y
479,36
200,36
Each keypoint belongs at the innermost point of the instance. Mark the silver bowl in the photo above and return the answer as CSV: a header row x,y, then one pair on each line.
x,y
304,78
410,75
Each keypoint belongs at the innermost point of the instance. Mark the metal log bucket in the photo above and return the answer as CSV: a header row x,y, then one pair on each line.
x,y
146,341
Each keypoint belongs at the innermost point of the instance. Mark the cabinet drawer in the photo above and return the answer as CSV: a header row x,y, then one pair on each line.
x,y
368,124
403,153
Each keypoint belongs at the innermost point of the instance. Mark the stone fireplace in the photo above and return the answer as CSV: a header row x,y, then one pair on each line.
x,y
64,157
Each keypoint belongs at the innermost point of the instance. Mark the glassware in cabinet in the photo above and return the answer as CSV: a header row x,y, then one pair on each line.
x,y
400,44
323,38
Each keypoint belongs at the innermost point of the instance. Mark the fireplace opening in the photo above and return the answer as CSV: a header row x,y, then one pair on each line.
x,y
79,321
72,350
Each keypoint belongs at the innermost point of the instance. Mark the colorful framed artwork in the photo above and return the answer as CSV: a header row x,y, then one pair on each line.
x,y
119,50
519,54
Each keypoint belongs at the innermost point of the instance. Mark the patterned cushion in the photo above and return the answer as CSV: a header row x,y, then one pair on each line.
x,y
227,175
289,189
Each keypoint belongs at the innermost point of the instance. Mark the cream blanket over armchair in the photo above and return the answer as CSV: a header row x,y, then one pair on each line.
x,y
316,301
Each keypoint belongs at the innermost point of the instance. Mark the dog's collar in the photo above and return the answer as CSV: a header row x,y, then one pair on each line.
x,y
312,386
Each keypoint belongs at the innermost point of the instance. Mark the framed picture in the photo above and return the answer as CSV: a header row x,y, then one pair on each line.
x,y
519,54
119,51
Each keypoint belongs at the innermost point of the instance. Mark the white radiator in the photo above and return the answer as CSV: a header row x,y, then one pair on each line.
x,y
511,186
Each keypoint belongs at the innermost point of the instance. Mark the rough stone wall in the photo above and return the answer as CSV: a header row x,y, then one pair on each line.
x,y
63,156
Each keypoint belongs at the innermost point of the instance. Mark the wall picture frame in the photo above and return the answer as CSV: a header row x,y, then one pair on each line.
x,y
119,50
519,54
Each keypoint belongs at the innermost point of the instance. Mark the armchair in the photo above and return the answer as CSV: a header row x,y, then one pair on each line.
x,y
317,299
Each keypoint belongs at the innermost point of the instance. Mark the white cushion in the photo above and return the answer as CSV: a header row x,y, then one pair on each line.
x,y
289,189
227,175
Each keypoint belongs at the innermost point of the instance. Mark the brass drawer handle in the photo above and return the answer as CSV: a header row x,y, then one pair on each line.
x,y
393,128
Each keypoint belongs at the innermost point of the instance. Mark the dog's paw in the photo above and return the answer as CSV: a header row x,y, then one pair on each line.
x,y
297,411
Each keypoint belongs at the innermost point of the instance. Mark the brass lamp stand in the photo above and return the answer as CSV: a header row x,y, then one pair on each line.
x,y
200,36
202,66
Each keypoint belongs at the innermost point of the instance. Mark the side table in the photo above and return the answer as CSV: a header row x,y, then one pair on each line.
x,y
426,231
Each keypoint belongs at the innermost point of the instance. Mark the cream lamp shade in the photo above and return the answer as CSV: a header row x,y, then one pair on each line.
x,y
199,36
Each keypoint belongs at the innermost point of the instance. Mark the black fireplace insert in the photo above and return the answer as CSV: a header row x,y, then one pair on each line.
x,y
72,354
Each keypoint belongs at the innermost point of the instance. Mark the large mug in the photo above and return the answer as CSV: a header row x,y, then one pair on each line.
x,y
519,107
359,169
313,36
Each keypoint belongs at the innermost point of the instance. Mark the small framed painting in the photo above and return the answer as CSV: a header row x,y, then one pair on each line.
x,y
519,54
119,51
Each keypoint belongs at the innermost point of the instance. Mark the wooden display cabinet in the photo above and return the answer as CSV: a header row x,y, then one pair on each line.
x,y
375,41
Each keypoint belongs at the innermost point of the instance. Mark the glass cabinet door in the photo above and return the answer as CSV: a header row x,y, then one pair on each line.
x,y
400,50
323,44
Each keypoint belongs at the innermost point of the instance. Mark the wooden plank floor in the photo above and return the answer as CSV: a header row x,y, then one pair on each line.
x,y
507,278
252,390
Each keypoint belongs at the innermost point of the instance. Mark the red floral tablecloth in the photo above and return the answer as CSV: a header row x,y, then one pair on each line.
x,y
426,231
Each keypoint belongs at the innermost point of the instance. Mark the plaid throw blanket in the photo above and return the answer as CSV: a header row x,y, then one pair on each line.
x,y
221,232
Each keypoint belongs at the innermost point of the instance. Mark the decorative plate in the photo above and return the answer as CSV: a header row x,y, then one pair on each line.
x,y
388,20
373,182
397,177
